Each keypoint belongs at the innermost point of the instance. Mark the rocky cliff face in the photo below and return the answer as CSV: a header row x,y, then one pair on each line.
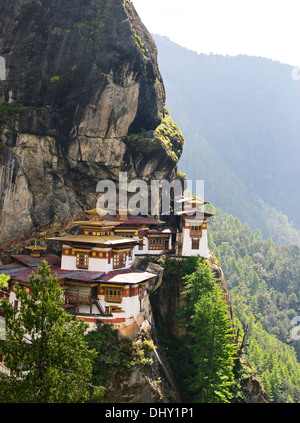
x,y
82,101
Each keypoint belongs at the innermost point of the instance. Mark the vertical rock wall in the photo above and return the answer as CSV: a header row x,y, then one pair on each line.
x,y
82,76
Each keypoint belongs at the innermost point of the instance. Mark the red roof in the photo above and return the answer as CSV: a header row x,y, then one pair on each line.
x,y
30,261
22,273
166,232
84,275
134,220
128,276
8,269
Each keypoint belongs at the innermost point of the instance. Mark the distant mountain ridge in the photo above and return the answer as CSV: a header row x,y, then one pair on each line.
x,y
240,118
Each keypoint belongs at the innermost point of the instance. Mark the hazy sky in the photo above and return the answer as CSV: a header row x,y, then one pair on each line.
x,y
267,28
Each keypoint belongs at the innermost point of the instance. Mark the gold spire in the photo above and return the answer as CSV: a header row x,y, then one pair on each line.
x,y
36,249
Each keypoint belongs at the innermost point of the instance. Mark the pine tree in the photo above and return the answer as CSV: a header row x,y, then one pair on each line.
x,y
276,382
44,349
208,337
266,382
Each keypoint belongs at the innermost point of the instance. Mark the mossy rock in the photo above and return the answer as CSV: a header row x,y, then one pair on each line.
x,y
166,136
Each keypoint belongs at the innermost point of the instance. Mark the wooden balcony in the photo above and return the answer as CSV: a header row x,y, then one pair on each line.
x,y
77,299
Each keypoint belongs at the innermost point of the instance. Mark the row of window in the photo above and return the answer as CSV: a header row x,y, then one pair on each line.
x,y
196,231
113,295
158,243
119,260
102,233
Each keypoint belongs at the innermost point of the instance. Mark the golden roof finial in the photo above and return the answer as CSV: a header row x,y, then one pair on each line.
x,y
36,249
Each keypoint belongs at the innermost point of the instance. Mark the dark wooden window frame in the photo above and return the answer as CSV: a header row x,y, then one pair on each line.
x,y
82,260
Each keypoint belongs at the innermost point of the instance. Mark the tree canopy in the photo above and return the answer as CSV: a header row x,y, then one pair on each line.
x,y
44,348
210,342
3,281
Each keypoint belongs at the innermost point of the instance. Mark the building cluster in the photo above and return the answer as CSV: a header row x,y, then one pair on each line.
x,y
96,269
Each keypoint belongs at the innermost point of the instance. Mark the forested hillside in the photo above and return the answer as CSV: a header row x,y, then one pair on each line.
x,y
263,279
240,119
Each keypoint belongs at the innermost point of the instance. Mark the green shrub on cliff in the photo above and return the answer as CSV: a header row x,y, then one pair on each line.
x,y
166,135
114,356
9,110
170,135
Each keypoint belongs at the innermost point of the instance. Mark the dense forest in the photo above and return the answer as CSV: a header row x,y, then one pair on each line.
x,y
240,119
263,281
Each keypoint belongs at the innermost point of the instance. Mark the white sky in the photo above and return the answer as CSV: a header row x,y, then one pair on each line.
x,y
267,28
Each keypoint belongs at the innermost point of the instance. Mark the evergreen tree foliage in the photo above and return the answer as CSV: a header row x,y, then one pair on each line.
x,y
263,281
208,340
44,347
114,355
